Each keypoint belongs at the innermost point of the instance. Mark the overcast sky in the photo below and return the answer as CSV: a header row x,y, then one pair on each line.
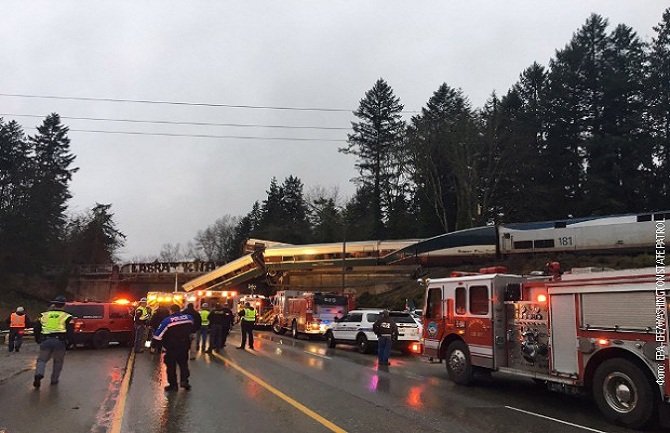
x,y
322,54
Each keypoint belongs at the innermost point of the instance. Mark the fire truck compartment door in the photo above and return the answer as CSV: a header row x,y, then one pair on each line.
x,y
564,334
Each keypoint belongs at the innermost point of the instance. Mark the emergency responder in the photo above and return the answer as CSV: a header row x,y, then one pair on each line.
x,y
142,318
386,330
156,318
18,321
197,324
220,320
248,319
53,330
175,333
201,337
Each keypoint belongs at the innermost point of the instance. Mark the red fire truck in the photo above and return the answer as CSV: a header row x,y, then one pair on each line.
x,y
310,313
601,332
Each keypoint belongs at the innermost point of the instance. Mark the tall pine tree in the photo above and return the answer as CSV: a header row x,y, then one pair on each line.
x,y
377,142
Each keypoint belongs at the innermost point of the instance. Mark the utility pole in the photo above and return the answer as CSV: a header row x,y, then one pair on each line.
x,y
344,252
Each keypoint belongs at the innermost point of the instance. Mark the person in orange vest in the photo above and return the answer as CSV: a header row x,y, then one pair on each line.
x,y
18,322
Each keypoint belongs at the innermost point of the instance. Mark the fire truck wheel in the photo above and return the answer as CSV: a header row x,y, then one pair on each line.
x,y
294,330
330,340
101,339
459,367
623,393
362,344
277,328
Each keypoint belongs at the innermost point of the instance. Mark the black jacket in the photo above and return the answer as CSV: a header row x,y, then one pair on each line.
x,y
385,327
175,331
223,317
196,318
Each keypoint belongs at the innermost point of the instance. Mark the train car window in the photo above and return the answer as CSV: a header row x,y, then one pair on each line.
x,y
460,300
559,225
479,300
544,243
434,307
523,245
643,218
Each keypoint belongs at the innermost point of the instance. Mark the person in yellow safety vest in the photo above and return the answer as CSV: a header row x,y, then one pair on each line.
x,y
248,319
17,322
52,331
142,317
201,337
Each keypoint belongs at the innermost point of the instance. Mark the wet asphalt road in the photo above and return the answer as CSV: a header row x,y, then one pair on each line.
x,y
339,385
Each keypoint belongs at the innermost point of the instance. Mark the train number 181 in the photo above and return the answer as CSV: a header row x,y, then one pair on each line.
x,y
565,241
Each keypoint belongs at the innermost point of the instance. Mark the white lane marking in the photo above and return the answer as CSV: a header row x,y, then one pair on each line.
x,y
555,419
316,354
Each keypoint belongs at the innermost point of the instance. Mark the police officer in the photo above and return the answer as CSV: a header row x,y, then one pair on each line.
x,y
52,331
18,322
386,330
175,334
220,321
142,317
248,319
201,337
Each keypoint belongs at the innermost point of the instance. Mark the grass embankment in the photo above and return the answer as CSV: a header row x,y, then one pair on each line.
x,y
413,291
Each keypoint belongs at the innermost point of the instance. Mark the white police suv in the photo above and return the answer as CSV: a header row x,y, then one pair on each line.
x,y
356,328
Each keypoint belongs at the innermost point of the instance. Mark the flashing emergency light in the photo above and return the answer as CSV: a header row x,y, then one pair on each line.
x,y
151,297
415,348
122,302
542,298
199,292
177,296
191,299
233,294
209,293
161,299
603,342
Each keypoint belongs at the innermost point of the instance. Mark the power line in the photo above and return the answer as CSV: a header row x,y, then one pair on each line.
x,y
170,122
167,134
195,104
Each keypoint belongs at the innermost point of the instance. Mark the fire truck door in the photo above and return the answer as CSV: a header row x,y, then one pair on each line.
x,y
434,320
563,334
478,323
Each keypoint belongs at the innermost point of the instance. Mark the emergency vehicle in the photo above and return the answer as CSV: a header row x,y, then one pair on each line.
x,y
210,297
601,332
262,305
165,299
310,313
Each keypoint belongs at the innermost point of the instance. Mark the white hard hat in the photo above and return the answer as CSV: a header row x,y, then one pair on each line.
x,y
19,309
143,300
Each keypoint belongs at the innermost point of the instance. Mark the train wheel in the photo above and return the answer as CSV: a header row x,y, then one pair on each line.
x,y
459,367
624,394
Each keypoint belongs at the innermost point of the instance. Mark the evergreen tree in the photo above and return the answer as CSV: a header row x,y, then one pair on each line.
x,y
295,225
377,142
445,149
512,188
49,191
326,221
16,174
657,87
94,237
619,152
